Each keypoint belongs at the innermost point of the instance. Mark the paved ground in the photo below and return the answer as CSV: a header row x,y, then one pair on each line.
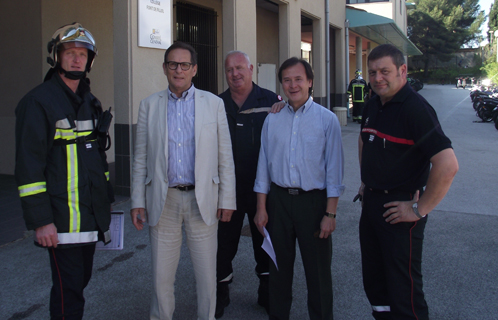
x,y
460,255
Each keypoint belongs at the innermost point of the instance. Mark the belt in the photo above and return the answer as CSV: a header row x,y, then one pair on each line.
x,y
184,188
296,191
390,191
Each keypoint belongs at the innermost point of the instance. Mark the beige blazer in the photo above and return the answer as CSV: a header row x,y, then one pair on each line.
x,y
214,167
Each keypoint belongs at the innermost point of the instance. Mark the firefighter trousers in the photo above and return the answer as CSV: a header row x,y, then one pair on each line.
x,y
71,272
391,260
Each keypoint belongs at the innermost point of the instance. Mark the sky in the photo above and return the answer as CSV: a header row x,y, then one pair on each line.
x,y
485,5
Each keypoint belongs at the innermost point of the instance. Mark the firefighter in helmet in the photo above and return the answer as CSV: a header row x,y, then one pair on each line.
x,y
357,89
61,167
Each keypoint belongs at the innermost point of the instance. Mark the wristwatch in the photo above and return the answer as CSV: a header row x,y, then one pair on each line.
x,y
415,209
329,214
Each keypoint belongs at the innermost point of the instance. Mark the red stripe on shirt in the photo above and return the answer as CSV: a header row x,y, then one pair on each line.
x,y
388,137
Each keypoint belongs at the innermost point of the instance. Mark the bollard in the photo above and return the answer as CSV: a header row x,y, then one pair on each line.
x,y
341,113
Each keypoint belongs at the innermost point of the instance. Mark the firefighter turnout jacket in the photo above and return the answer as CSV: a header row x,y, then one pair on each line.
x,y
357,90
61,170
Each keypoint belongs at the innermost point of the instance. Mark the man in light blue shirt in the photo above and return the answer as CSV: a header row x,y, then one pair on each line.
x,y
299,181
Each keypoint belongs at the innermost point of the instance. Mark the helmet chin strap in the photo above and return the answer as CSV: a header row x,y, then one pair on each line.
x,y
72,75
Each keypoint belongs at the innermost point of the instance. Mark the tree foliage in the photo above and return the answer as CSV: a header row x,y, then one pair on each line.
x,y
493,20
441,27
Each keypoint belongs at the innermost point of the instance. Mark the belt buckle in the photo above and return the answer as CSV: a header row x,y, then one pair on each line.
x,y
293,192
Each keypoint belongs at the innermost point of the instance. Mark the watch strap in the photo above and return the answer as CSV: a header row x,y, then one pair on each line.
x,y
330,214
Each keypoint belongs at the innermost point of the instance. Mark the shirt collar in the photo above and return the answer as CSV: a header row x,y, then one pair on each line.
x,y
400,96
305,107
186,95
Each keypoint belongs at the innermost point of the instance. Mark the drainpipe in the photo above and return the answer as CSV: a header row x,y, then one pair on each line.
x,y
327,54
346,30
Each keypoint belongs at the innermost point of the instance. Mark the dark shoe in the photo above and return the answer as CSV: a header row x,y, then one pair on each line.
x,y
222,299
264,293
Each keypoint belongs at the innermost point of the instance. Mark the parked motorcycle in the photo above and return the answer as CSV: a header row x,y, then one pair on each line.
x,y
416,84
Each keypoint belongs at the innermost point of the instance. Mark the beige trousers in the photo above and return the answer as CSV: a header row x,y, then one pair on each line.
x,y
166,239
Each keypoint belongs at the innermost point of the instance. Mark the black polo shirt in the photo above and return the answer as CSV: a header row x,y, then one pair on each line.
x,y
245,131
399,139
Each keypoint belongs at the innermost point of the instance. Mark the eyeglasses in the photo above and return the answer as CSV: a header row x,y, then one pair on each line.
x,y
172,65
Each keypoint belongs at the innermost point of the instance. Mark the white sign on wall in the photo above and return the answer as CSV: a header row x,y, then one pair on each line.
x,y
154,23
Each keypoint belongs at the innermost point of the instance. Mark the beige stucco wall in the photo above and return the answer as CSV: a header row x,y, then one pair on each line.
x,y
239,30
267,39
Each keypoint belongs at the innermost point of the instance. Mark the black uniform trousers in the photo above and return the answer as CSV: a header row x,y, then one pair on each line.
x,y
71,272
229,236
358,110
292,217
391,260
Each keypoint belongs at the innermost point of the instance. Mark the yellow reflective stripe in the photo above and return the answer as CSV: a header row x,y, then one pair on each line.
x,y
32,188
107,175
82,134
72,188
66,134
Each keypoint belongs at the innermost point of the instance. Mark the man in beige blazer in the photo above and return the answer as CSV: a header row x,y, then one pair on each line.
x,y
183,174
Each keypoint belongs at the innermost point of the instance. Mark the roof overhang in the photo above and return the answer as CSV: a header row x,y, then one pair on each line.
x,y
379,29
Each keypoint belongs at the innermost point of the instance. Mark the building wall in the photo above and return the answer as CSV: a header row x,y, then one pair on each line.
x,y
33,24
267,40
123,73
21,53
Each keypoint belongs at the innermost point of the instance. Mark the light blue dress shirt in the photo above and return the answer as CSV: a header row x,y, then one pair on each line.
x,y
181,138
301,149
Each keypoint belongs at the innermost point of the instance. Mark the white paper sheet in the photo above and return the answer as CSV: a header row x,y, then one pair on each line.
x,y
117,232
268,247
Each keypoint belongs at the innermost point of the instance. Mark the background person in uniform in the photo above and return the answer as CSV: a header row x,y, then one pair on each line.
x,y
183,174
299,181
246,105
358,90
61,168
407,166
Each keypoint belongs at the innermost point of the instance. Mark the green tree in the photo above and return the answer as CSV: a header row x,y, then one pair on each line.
x,y
493,21
440,27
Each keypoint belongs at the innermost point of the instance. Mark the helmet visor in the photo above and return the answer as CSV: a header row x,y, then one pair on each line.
x,y
75,44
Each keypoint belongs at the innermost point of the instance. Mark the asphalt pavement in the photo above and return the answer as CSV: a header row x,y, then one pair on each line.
x,y
460,260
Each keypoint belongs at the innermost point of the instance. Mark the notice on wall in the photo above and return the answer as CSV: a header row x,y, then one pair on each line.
x,y
154,23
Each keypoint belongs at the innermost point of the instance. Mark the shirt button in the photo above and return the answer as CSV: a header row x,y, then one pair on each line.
x,y
179,144
179,160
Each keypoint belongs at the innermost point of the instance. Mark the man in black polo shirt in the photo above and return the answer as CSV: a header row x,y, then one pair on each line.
x,y
247,106
399,141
